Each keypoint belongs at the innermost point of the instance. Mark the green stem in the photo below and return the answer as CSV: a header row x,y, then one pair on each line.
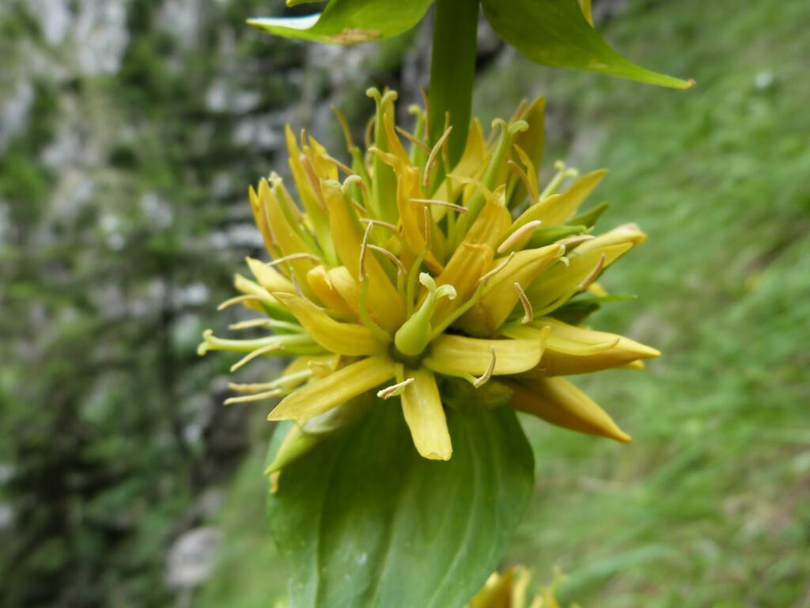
x,y
452,71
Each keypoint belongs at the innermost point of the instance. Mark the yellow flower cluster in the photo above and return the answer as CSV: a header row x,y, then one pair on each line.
x,y
511,590
408,275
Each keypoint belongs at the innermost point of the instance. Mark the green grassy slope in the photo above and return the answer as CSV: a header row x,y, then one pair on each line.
x,y
710,504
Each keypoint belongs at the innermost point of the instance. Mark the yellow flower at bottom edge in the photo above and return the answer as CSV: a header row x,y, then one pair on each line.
x,y
408,274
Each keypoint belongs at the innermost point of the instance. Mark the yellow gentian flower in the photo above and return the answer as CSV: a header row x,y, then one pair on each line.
x,y
400,275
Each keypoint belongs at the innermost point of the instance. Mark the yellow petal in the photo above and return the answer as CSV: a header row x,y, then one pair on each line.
x,y
268,277
422,407
284,235
621,235
578,350
473,355
500,295
348,339
384,300
468,264
328,393
556,209
558,282
321,284
561,403
347,286
412,215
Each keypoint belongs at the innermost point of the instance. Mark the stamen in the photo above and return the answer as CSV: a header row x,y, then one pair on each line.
x,y
346,169
314,180
353,179
428,229
256,353
401,270
434,154
363,250
347,132
369,130
469,180
528,314
525,179
394,389
593,274
413,139
518,234
390,226
255,397
295,256
265,386
295,283
573,241
563,173
479,382
238,300
496,270
251,324
433,201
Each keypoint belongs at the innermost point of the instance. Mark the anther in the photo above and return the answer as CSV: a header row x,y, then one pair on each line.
x,y
254,397
394,389
434,154
573,241
295,256
528,313
400,266
413,139
586,282
433,201
518,234
363,250
496,270
479,382
389,225
238,300
256,353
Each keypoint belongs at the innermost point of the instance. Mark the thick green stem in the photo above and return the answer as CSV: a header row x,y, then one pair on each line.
x,y
452,71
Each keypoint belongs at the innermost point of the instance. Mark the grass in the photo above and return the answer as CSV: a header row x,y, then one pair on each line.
x,y
710,504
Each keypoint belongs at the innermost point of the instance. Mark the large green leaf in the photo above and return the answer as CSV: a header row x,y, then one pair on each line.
x,y
349,21
364,521
555,33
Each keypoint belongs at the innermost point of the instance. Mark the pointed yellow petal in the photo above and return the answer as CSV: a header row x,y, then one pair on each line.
x,y
577,350
320,283
621,235
386,305
557,209
328,393
348,339
287,238
347,286
268,277
422,407
561,403
473,355
554,285
500,297
468,264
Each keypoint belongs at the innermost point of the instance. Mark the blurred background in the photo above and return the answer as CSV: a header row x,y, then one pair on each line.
x,y
129,132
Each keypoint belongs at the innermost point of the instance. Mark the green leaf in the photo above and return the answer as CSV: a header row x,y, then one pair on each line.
x,y
364,521
349,21
555,33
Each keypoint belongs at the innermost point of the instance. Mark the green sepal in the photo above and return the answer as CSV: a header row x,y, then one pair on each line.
x,y
576,311
546,236
365,521
556,33
589,217
348,21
